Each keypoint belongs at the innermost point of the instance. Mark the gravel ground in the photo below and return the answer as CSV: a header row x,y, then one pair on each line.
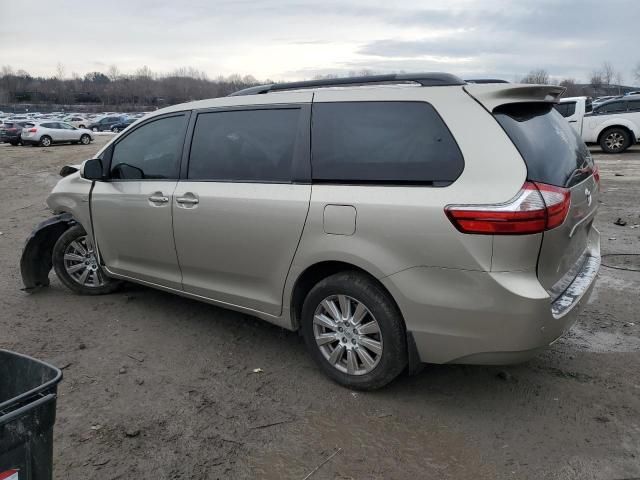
x,y
157,386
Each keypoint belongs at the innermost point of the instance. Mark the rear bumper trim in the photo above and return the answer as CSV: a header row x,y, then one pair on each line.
x,y
577,288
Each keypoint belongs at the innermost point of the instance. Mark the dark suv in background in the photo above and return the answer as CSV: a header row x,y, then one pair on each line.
x,y
105,123
11,132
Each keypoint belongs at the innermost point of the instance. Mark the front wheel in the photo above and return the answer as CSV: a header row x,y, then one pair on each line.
x,y
45,141
615,140
354,331
95,129
76,264
115,129
85,139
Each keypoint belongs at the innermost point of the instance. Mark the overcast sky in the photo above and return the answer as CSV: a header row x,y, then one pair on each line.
x,y
286,40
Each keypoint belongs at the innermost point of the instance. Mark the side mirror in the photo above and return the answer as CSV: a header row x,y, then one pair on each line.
x,y
93,170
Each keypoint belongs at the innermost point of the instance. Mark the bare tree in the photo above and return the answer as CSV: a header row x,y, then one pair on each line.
x,y
539,76
113,73
572,90
608,73
60,71
596,81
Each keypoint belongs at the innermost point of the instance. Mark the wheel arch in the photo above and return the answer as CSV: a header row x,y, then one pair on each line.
x,y
318,271
624,126
36,260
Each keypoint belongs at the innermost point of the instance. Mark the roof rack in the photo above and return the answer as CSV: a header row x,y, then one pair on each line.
x,y
485,80
424,79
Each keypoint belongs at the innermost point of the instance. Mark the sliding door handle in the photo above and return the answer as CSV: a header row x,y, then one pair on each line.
x,y
158,199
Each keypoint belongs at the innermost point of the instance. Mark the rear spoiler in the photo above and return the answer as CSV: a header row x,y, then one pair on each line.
x,y
496,94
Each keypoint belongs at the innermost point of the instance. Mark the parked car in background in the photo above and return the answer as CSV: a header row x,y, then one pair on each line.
x,y
105,123
600,100
47,133
368,218
11,131
118,127
614,124
574,109
77,121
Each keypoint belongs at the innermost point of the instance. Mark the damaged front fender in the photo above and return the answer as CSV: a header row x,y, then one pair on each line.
x,y
36,261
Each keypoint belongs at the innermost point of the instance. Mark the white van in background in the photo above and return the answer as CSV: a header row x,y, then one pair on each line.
x,y
614,124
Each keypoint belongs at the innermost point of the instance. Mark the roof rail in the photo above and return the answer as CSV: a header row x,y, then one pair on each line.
x,y
485,80
424,79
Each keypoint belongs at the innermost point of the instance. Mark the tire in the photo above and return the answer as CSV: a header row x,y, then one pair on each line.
x,y
85,139
71,244
380,326
95,129
115,129
81,126
14,144
45,141
615,140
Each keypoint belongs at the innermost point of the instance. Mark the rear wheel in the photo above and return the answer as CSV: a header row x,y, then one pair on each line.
x,y
77,266
45,141
85,139
94,129
115,129
354,331
615,140
81,126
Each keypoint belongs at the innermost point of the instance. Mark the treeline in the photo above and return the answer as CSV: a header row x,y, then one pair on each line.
x,y
147,89
605,80
142,88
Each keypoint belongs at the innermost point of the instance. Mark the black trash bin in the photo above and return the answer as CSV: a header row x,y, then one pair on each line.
x,y
28,390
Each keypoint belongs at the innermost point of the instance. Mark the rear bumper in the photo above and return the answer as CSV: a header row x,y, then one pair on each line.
x,y
10,138
474,317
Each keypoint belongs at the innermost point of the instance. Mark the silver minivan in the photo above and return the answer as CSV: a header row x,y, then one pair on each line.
x,y
393,220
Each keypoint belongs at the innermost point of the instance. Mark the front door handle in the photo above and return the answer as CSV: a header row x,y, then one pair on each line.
x,y
158,199
187,200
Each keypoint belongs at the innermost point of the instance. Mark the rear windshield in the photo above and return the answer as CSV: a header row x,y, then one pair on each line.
x,y
551,148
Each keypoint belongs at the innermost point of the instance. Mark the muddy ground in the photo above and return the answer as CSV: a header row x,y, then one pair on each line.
x,y
157,386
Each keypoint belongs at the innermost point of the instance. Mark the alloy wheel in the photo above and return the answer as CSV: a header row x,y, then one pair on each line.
x,y
348,335
615,141
81,264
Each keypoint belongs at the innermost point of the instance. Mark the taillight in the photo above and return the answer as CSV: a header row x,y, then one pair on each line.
x,y
537,207
596,174
33,130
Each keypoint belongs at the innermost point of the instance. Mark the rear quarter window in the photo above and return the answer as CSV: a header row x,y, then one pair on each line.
x,y
383,142
551,148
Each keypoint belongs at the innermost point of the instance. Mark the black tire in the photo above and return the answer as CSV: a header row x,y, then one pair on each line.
x,y
95,129
81,126
46,141
392,360
615,140
115,129
76,234
85,139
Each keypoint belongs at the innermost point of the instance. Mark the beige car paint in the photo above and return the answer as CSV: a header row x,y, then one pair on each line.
x,y
466,298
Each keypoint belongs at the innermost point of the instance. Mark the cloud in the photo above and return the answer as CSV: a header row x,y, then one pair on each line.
x,y
293,39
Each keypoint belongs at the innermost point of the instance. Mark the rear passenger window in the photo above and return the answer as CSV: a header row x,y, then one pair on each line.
x,y
634,105
382,142
613,107
244,146
566,109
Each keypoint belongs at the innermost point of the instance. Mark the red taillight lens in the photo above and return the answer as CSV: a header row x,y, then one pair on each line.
x,y
536,208
596,174
33,130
